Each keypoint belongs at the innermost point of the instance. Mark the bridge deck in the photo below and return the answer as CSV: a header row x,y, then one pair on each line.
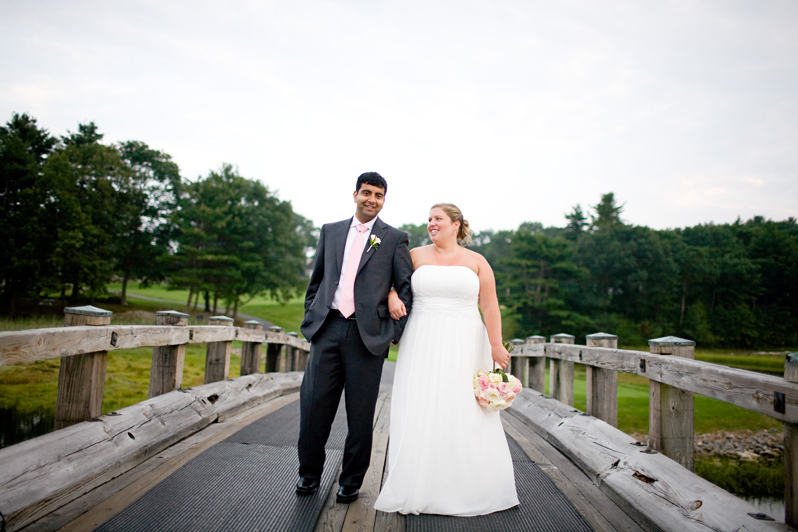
x,y
239,475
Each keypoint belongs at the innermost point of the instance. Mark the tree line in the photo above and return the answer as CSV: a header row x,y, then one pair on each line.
x,y
731,285
77,214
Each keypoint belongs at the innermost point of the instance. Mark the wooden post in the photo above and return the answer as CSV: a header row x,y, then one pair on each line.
x,y
536,371
304,356
518,361
671,424
561,373
217,361
81,378
166,372
602,384
251,351
292,354
791,452
273,352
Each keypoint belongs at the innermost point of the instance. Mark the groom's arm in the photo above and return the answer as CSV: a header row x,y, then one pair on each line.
x,y
402,271
318,271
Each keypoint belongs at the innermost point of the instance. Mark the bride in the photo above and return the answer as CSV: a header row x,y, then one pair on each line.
x,y
447,455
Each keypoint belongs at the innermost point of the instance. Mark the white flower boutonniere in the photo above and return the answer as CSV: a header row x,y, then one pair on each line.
x,y
374,242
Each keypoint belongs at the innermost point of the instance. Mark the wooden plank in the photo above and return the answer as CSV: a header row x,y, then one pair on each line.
x,y
530,350
361,515
43,474
101,504
334,515
594,505
19,347
543,412
659,492
591,443
388,521
675,499
382,413
748,389
331,518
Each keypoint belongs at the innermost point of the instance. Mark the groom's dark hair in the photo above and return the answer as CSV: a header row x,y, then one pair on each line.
x,y
371,178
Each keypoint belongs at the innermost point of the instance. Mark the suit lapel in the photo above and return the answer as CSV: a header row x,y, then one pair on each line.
x,y
378,231
339,241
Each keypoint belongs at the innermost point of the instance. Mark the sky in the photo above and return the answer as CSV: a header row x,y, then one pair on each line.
x,y
515,110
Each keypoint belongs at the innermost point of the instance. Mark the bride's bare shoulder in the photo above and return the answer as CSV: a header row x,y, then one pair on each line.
x,y
420,255
476,261
421,251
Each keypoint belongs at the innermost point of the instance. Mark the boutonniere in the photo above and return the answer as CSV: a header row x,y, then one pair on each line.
x,y
374,242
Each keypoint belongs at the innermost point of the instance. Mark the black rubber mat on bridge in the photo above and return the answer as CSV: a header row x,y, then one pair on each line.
x,y
543,507
245,483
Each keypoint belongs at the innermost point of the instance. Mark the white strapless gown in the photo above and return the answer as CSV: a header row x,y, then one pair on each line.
x,y
446,454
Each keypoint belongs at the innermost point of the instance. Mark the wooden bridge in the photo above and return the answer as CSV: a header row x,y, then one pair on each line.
x,y
222,456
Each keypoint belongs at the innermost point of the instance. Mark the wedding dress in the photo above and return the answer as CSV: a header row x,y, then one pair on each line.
x,y
446,454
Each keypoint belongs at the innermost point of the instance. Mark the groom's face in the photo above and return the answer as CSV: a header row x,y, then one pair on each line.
x,y
369,200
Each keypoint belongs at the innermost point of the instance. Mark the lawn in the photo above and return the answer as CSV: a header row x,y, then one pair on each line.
x,y
286,315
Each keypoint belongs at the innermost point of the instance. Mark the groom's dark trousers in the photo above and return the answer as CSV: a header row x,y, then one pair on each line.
x,y
347,354
339,356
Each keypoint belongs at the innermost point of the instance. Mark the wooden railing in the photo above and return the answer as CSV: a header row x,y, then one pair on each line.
x,y
88,336
674,376
41,475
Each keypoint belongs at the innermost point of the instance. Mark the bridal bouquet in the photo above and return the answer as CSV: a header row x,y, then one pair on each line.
x,y
496,389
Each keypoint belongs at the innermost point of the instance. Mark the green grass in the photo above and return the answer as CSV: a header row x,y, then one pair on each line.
x,y
710,414
286,315
750,479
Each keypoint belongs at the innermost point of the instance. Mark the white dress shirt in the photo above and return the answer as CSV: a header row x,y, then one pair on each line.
x,y
350,237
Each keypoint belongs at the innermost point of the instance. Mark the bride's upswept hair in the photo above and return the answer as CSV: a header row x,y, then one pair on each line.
x,y
456,215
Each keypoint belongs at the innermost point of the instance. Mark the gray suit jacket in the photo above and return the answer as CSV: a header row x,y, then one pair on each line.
x,y
379,269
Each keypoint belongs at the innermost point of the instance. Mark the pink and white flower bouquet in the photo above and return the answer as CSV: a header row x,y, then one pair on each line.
x,y
495,390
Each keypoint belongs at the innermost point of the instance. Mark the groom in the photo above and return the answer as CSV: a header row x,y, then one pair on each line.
x,y
347,322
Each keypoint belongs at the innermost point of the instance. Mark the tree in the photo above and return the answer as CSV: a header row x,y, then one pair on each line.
x,y
86,178
631,283
25,244
236,239
145,217
577,222
417,234
608,214
534,274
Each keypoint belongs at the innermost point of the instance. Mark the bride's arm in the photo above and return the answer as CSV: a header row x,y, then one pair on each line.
x,y
489,304
396,308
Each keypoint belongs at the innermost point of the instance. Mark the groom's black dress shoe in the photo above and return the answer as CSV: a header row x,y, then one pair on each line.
x,y
307,486
347,494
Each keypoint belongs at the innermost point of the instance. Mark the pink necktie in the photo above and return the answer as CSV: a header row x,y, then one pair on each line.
x,y
347,304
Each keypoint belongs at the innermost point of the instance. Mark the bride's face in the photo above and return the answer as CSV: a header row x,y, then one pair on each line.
x,y
440,227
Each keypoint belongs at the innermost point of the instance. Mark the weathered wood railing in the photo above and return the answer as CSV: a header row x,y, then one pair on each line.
x,y
40,475
674,376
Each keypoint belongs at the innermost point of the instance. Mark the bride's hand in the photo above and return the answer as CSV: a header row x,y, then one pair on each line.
x,y
395,306
500,355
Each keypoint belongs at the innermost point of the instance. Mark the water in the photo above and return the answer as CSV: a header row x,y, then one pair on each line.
x,y
767,505
16,426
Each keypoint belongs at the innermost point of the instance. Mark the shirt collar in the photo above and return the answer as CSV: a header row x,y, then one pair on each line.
x,y
370,224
